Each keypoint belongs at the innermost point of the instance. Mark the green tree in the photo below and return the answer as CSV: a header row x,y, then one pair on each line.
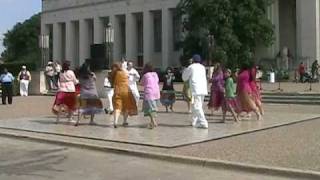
x,y
238,27
21,42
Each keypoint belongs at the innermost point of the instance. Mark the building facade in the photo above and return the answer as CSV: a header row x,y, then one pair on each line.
x,y
149,30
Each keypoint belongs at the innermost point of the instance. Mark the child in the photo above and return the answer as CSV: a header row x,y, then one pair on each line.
x,y
109,92
230,102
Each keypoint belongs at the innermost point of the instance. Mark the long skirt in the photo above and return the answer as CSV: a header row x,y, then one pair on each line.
x,y
168,98
125,103
187,95
247,102
24,86
231,103
150,107
89,106
216,100
65,99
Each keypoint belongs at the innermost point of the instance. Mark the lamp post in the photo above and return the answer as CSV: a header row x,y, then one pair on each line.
x,y
109,39
44,46
210,45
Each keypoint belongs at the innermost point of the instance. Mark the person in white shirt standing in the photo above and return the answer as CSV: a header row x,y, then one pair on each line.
x,y
24,78
196,75
134,77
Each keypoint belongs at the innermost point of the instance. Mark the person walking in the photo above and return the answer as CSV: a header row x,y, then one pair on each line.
x,y
314,70
6,80
123,99
217,89
168,96
302,72
245,92
187,95
66,95
24,78
90,103
134,77
49,72
230,103
109,93
150,82
196,75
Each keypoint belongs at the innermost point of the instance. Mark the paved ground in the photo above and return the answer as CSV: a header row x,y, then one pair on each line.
x,y
174,128
20,160
294,146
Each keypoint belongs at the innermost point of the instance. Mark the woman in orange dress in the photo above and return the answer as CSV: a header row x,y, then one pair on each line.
x,y
123,100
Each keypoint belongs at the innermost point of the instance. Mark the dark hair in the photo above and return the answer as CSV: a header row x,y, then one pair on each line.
x,y
115,68
85,71
148,68
65,66
169,68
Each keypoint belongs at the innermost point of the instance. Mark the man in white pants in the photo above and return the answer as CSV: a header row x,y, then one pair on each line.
x,y
24,78
196,75
134,77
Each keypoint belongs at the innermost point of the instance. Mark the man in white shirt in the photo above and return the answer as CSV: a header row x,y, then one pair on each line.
x,y
196,75
134,77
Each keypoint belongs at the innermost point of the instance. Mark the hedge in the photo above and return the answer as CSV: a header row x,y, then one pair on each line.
x,y
15,67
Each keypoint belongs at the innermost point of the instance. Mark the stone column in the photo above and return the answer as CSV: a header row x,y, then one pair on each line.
x,y
70,43
57,53
147,36
273,14
308,30
84,47
166,36
131,37
98,30
113,19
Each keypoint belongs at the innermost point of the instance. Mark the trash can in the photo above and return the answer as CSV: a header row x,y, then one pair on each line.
x,y
272,77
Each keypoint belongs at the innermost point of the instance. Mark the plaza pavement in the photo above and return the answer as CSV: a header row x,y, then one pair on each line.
x,y
295,146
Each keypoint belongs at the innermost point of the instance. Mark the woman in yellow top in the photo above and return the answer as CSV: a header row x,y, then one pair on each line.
x,y
123,99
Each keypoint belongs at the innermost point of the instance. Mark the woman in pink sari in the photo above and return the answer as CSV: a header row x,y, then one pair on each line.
x,y
245,93
217,89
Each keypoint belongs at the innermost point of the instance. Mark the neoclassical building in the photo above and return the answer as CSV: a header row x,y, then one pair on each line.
x,y
149,30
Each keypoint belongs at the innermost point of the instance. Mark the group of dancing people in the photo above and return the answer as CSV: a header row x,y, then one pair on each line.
x,y
77,92
237,98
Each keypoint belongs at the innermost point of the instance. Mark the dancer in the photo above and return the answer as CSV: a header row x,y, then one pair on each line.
x,y
134,77
217,89
150,82
65,97
24,78
109,93
256,90
244,91
90,103
196,75
187,95
168,96
123,99
230,101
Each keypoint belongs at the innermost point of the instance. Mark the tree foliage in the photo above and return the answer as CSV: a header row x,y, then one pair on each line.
x,y
21,42
238,27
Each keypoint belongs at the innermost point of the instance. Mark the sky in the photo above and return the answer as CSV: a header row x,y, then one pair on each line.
x,y
14,11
